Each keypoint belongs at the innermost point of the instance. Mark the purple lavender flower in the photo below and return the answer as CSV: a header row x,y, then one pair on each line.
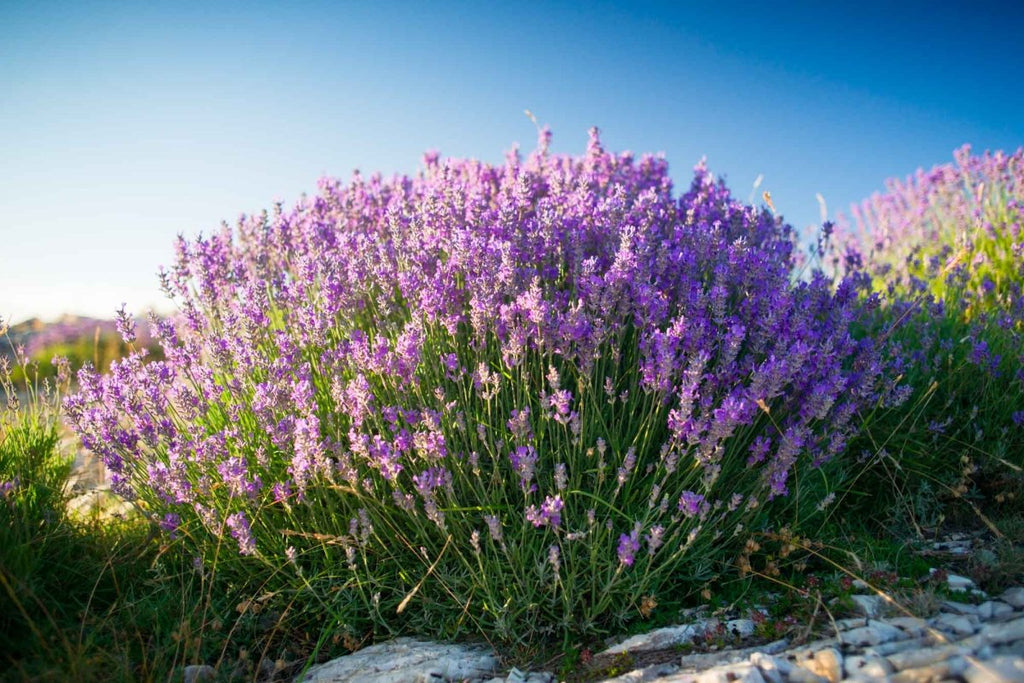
x,y
654,538
238,525
125,325
170,523
548,514
690,503
629,545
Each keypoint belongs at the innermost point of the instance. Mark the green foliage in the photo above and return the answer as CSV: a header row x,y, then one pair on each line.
x,y
945,251
99,350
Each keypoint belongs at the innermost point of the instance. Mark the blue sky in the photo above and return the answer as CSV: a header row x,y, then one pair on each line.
x,y
123,124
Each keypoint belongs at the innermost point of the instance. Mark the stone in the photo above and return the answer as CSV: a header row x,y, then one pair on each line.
x,y
951,607
1006,632
854,622
741,628
1014,597
711,676
407,660
949,668
827,663
994,609
995,670
875,633
892,647
957,624
870,606
539,677
959,583
870,666
743,673
801,675
914,626
199,673
773,670
657,639
915,659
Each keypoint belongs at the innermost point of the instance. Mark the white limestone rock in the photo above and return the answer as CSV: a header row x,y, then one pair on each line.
x,y
1014,597
869,666
961,625
657,639
994,609
870,606
995,670
407,660
953,607
875,633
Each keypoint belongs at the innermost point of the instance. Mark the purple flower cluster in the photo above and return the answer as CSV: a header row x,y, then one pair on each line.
x,y
370,337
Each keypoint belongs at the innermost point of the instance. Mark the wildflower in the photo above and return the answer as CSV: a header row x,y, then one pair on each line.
x,y
628,547
561,478
125,325
494,527
690,503
554,558
169,523
548,514
238,525
654,538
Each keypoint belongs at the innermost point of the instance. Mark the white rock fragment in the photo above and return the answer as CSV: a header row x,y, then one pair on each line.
x,y
741,628
914,626
870,606
961,625
827,663
994,609
1001,669
657,639
869,666
875,633
407,660
916,659
1014,597
773,670
1008,632
959,583
953,607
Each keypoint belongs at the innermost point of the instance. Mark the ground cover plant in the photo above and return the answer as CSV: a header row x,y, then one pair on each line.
x,y
524,402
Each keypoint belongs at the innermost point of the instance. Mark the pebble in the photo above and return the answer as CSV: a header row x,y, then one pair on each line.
x,y
961,625
870,606
875,633
1014,597
995,670
994,610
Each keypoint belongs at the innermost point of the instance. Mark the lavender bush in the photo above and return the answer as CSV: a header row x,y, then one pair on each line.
x,y
525,401
945,248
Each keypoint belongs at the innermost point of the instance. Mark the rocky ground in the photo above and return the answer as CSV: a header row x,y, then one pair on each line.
x,y
963,641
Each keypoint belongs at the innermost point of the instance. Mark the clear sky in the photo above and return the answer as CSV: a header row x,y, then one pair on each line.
x,y
124,124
